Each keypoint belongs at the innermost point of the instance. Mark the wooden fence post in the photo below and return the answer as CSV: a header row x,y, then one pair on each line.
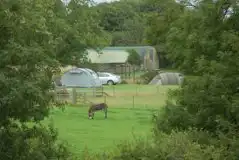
x,y
136,90
157,89
105,99
84,98
74,96
113,90
55,96
133,101
94,91
129,70
125,71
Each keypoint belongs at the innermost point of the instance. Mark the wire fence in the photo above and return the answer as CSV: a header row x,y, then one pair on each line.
x,y
143,96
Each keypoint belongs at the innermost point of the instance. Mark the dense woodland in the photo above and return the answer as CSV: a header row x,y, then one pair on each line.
x,y
200,120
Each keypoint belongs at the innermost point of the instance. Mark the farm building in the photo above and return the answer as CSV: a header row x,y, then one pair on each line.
x,y
80,77
148,54
114,61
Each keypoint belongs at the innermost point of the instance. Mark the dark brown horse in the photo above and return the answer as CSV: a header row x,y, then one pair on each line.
x,y
97,107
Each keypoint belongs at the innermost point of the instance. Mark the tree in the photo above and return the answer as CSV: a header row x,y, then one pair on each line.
x,y
200,120
160,16
134,59
209,103
124,21
79,17
213,47
185,43
33,42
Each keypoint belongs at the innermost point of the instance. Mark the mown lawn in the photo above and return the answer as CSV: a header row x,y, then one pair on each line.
x,y
127,118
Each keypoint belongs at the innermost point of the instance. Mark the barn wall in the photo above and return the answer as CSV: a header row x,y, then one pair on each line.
x,y
150,59
115,68
155,59
144,52
106,67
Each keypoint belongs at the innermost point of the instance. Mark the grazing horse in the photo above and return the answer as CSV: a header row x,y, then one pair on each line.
x,y
97,107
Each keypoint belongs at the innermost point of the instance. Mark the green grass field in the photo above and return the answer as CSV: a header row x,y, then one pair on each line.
x,y
127,118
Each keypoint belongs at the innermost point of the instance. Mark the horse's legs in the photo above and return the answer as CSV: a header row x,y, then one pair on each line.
x,y
105,112
93,115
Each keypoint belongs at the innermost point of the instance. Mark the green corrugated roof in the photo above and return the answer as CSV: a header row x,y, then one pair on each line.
x,y
108,56
126,47
141,50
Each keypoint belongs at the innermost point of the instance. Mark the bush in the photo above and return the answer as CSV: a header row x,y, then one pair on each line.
x,y
138,81
124,82
177,145
172,117
38,142
207,104
62,91
148,76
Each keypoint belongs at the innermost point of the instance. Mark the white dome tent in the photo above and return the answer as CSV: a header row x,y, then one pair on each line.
x,y
80,77
167,78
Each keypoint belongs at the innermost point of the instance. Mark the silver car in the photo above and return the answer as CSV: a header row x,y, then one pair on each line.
x,y
109,78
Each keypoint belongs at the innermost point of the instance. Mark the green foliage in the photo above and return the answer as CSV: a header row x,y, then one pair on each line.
x,y
88,64
189,35
36,37
113,15
177,145
134,58
124,21
218,110
72,44
37,142
200,120
208,103
148,76
139,81
124,82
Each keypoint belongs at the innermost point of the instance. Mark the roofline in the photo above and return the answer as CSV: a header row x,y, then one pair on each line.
x,y
128,47
110,62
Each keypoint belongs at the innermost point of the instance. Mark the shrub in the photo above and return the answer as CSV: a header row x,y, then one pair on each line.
x,y
177,145
148,76
139,81
34,141
124,82
62,91
205,104
172,117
